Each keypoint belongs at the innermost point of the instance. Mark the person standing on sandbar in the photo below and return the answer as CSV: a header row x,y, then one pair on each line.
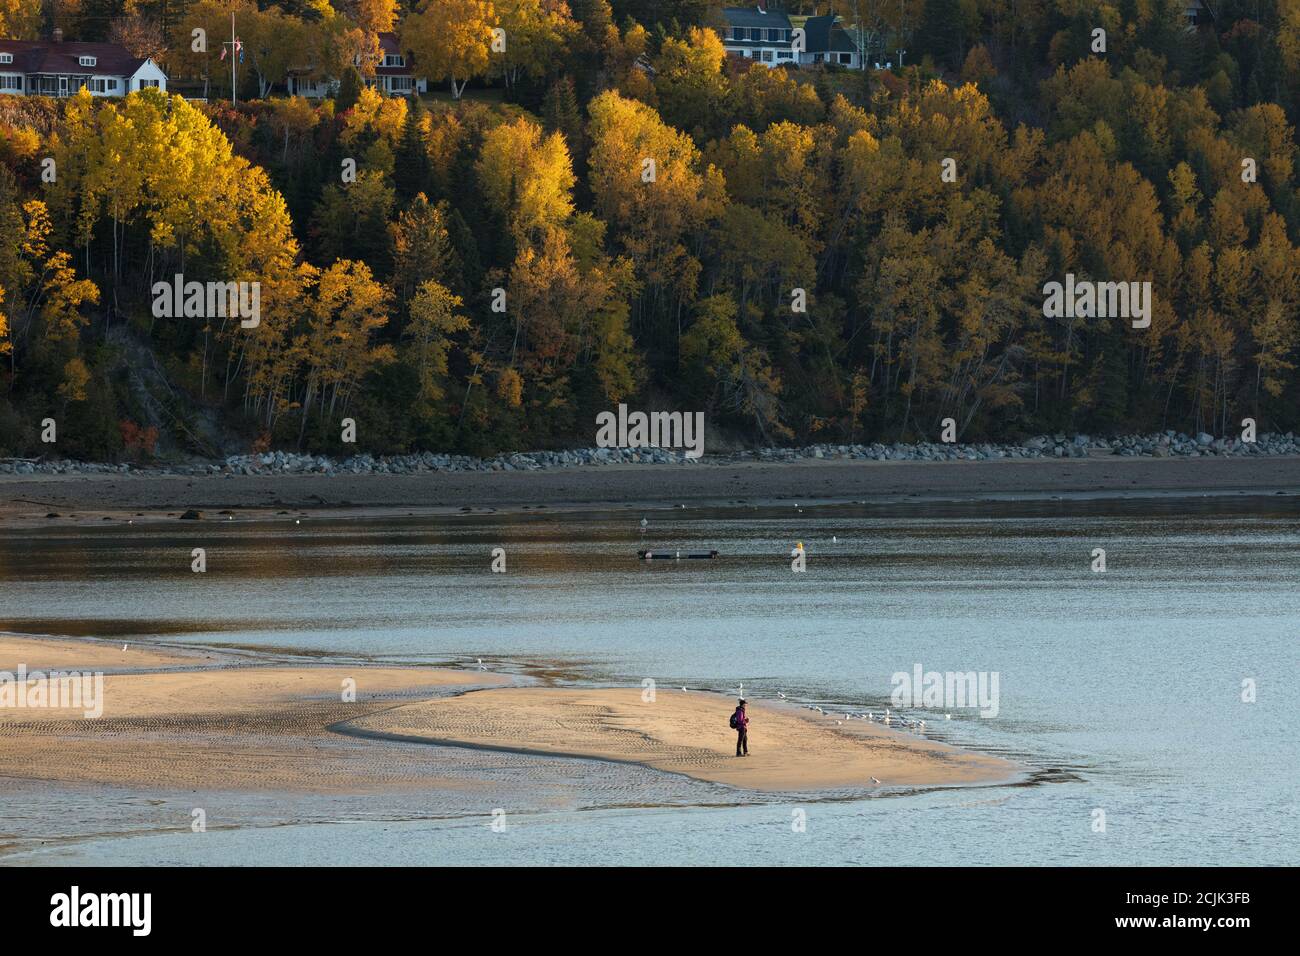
x,y
740,723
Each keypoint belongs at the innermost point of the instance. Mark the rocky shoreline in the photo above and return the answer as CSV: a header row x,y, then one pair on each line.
x,y
1167,444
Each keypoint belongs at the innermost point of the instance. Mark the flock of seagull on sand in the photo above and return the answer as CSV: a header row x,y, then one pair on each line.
x,y
887,718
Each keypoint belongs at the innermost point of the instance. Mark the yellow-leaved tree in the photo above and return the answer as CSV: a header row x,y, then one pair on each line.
x,y
20,19
650,188
344,308
451,39
435,317
527,178
152,169
536,34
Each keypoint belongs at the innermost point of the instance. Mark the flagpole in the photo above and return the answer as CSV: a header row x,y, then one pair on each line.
x,y
233,100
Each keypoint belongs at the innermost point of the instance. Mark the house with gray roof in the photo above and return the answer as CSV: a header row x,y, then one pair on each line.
x,y
759,34
827,41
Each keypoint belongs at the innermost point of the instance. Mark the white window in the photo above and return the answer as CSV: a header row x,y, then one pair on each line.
x,y
148,84
400,84
767,56
10,82
783,55
6,57
86,60
846,57
393,59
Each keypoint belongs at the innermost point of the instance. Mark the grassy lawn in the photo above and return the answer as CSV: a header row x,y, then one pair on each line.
x,y
441,94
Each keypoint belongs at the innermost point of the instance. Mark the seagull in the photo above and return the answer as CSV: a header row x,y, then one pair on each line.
x,y
875,781
124,648
923,725
870,716
834,540
643,525
947,716
481,665
781,695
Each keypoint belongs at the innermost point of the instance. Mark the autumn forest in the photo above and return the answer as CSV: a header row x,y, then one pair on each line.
x,y
612,209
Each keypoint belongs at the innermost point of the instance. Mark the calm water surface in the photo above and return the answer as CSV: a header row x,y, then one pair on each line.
x,y
1118,691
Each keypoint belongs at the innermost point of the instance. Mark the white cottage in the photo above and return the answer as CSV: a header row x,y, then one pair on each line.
x,y
54,68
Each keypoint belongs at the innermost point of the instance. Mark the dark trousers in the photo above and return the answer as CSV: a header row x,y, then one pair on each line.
x,y
742,740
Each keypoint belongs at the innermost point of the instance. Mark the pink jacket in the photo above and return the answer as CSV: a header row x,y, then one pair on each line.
x,y
742,721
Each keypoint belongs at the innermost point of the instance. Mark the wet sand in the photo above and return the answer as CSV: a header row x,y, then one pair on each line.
x,y
686,732
50,652
26,500
216,728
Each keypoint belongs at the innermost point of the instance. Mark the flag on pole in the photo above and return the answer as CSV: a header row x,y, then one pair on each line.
x,y
223,51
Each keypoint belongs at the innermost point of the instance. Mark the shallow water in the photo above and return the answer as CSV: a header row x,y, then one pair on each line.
x,y
1119,691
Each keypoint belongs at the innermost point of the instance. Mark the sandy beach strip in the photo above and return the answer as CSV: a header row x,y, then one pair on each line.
x,y
87,499
216,728
289,728
687,733
49,653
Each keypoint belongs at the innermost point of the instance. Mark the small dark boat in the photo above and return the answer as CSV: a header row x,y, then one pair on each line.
x,y
674,555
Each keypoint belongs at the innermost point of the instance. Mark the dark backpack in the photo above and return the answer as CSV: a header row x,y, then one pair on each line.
x,y
733,719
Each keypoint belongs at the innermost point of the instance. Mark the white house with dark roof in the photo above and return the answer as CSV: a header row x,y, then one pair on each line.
x,y
395,72
827,41
55,68
756,33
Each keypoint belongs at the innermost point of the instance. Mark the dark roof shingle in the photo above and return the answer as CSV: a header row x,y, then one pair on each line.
x,y
45,56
